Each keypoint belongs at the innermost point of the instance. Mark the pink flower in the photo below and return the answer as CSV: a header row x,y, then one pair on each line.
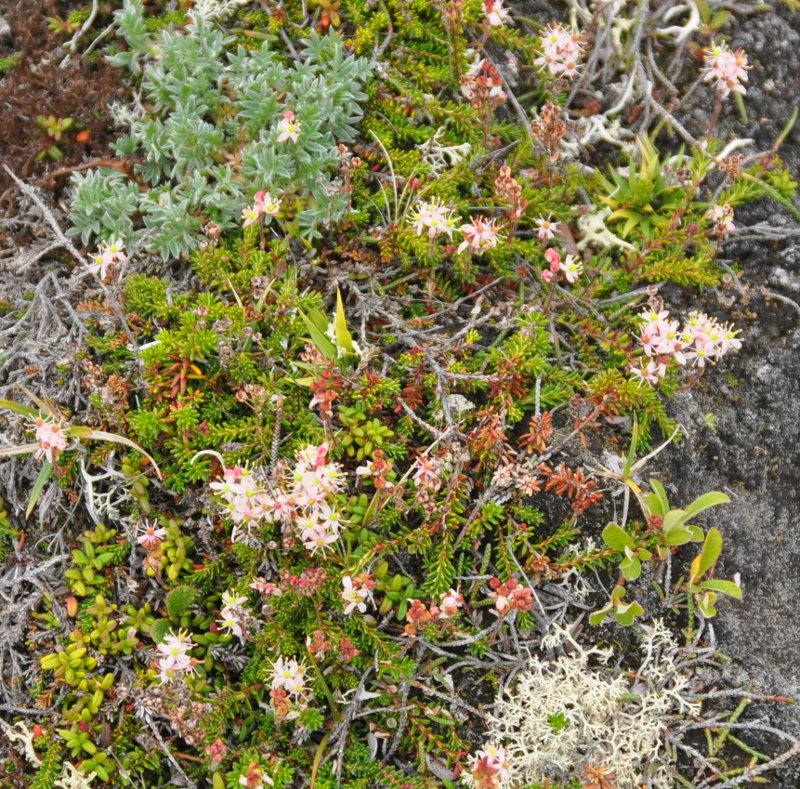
x,y
151,537
490,767
496,15
428,473
51,438
547,228
553,258
561,50
289,128
353,596
432,216
722,217
727,69
547,275
479,235
450,604
174,659
217,750
266,204
250,215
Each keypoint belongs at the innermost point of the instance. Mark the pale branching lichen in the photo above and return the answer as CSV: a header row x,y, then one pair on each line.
x,y
562,715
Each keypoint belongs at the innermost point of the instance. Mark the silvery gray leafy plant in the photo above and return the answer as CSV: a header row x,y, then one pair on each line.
x,y
208,137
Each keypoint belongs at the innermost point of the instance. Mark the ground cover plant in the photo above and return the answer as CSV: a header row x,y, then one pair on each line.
x,y
348,478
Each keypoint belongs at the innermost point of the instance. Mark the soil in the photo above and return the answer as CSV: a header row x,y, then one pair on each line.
x,y
753,453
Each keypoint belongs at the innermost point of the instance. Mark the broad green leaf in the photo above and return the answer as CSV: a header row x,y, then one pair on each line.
x,y
159,629
704,502
661,496
712,548
598,616
724,587
616,537
179,600
626,613
36,491
677,536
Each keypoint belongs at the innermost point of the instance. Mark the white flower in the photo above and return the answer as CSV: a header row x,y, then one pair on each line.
x,y
354,597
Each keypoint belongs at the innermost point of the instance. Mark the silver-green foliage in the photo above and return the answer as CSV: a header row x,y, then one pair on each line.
x,y
208,140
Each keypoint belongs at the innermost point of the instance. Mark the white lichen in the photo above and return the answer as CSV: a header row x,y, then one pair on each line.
x,y
72,778
564,714
593,230
213,10
440,157
19,732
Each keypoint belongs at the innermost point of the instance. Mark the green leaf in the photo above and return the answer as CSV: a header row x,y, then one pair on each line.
x,y
44,475
598,616
179,600
704,502
712,548
19,408
319,338
626,613
616,537
659,495
677,536
159,629
343,337
724,587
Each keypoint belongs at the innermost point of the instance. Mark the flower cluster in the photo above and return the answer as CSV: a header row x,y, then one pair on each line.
x,y
419,614
233,616
726,68
479,235
489,768
304,506
495,14
701,339
263,205
288,128
174,660
433,218
571,266
561,50
722,217
52,439
106,257
289,694
377,470
510,595
482,85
